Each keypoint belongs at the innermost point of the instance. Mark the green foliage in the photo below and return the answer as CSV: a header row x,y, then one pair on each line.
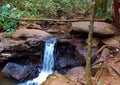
x,y
105,10
6,23
47,8
58,8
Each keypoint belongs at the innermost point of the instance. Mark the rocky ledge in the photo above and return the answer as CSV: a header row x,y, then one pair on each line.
x,y
23,51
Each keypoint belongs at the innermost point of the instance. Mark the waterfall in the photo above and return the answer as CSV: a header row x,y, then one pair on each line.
x,y
48,63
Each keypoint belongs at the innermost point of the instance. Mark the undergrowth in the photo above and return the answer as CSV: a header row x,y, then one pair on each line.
x,y
6,23
48,9
56,8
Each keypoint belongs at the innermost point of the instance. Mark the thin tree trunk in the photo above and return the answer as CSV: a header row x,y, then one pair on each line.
x,y
89,50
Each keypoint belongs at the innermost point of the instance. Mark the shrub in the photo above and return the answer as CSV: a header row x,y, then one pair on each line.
x,y
6,23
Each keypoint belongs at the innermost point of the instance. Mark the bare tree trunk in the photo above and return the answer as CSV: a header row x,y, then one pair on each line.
x,y
89,50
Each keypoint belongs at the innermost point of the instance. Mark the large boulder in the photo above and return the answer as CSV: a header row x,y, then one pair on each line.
x,y
20,72
76,74
65,57
23,43
28,33
100,28
113,42
30,48
9,44
57,79
81,49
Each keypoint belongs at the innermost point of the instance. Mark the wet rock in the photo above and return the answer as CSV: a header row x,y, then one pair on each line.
x,y
81,48
23,43
82,54
30,48
76,74
10,44
80,58
57,79
8,48
20,72
65,57
100,28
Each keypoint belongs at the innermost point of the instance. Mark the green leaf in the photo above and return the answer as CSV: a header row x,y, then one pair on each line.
x,y
7,23
7,26
13,9
47,6
7,6
11,31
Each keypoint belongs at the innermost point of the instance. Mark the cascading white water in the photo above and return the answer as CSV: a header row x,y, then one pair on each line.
x,y
48,63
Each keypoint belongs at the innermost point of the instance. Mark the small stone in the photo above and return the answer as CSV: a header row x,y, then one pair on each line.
x,y
117,50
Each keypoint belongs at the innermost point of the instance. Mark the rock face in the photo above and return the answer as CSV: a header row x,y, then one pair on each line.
x,y
76,74
100,28
23,43
81,49
112,42
20,72
28,33
26,47
65,57
14,49
57,79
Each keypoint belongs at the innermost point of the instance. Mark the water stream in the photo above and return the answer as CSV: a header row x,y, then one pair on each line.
x,y
48,63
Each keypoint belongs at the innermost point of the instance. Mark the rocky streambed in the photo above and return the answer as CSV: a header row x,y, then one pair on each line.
x,y
21,54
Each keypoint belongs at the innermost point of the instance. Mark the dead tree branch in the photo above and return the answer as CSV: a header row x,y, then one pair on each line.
x,y
54,20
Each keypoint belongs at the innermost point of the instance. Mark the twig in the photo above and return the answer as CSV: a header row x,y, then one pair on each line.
x,y
54,20
100,50
115,70
101,71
